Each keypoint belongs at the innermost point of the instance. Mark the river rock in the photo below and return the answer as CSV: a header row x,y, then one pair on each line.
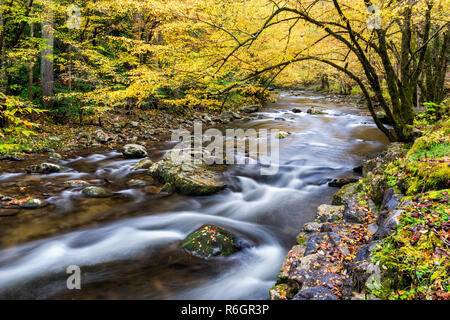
x,y
55,156
236,115
327,213
185,175
376,166
318,240
143,164
210,241
278,292
315,111
353,212
311,227
96,192
75,183
136,183
345,193
297,110
340,182
249,109
101,136
134,151
294,254
33,204
315,293
43,168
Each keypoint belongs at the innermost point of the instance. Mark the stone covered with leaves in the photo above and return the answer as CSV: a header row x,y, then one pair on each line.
x,y
392,240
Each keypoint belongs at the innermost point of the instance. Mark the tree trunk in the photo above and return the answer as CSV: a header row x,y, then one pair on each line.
x,y
31,65
47,75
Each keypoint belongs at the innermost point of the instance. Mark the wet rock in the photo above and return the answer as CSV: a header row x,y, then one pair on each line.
x,y
392,220
376,166
185,175
391,200
96,192
11,158
136,183
75,183
345,193
33,204
294,254
340,182
319,240
311,227
236,115
353,212
101,136
143,164
331,281
315,111
133,151
327,227
329,213
315,293
360,271
249,109
308,269
279,119
278,292
55,156
297,110
379,188
210,241
43,168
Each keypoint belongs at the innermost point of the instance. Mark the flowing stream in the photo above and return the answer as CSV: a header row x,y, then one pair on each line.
x,y
128,246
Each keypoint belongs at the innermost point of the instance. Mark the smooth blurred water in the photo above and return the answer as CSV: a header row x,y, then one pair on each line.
x,y
128,246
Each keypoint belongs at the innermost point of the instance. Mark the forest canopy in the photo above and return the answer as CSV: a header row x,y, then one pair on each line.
x,y
68,59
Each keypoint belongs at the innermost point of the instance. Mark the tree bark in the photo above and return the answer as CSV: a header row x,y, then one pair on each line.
x,y
47,74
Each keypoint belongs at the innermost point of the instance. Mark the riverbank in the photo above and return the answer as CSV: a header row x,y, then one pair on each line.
x,y
386,236
121,127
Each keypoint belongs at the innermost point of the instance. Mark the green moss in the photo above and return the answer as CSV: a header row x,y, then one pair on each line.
x,y
414,259
209,241
429,175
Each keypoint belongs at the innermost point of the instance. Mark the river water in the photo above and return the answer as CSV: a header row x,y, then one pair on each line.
x,y
128,246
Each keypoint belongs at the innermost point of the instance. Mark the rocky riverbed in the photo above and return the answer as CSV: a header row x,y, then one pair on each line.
x,y
124,214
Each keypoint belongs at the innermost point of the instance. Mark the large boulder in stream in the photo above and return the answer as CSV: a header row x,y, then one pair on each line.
x,y
96,192
43,168
211,241
133,151
185,175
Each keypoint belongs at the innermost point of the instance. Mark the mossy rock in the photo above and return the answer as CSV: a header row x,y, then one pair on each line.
x,y
345,193
185,175
43,168
210,241
278,292
427,175
377,165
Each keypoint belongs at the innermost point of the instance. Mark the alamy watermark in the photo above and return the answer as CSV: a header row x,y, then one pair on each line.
x,y
73,17
74,280
237,146
374,21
